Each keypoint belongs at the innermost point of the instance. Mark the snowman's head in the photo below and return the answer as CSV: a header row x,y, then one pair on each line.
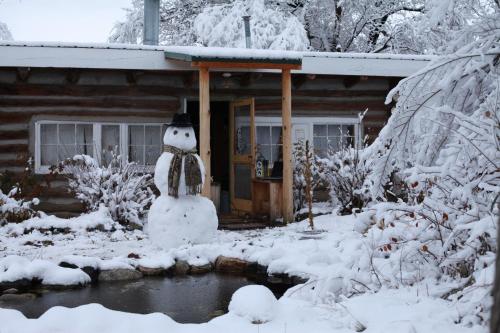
x,y
180,137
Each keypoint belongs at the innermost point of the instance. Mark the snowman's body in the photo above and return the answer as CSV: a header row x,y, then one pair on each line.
x,y
175,221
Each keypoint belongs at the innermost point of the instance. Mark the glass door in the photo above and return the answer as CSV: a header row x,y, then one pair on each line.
x,y
242,154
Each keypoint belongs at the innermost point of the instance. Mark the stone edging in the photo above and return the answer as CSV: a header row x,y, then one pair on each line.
x,y
226,265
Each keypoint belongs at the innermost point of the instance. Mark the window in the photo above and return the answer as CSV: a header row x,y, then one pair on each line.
x,y
58,140
269,142
332,137
145,143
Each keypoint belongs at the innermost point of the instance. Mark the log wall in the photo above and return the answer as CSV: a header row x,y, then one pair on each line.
x,y
28,95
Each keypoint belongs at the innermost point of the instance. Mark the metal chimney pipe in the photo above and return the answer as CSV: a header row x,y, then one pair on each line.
x,y
248,36
151,22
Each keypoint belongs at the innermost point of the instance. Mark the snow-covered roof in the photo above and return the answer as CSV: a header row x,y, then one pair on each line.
x,y
193,53
144,57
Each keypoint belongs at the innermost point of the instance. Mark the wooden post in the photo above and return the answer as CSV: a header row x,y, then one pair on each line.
x,y
205,127
286,114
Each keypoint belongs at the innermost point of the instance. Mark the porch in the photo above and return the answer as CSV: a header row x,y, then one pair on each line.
x,y
256,193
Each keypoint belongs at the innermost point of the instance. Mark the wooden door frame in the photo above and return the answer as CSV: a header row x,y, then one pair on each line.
x,y
241,204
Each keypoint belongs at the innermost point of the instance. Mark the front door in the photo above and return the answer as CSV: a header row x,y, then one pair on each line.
x,y
242,154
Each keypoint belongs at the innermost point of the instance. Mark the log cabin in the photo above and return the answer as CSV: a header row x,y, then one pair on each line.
x,y
61,99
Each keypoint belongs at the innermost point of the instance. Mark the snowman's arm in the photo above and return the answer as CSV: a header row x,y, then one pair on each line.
x,y
202,168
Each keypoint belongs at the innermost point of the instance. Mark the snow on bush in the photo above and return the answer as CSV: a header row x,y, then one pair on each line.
x,y
120,187
345,172
222,25
15,210
255,303
443,139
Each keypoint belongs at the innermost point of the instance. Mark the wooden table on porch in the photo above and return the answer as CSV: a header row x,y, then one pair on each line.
x,y
267,197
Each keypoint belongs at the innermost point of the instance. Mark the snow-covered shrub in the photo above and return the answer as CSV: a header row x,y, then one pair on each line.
x,y
345,172
15,210
444,139
120,187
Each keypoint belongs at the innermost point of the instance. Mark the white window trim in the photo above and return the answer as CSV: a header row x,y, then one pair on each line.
x,y
96,141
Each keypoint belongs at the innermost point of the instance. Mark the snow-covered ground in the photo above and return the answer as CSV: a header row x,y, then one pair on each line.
x,y
342,294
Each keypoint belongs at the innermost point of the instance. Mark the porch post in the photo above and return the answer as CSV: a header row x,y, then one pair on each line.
x,y
286,115
204,87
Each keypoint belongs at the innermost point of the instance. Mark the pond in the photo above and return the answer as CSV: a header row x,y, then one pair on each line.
x,y
186,299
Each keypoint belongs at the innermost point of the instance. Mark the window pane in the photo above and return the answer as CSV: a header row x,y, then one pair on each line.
x,y
334,130
242,181
48,154
319,130
48,134
265,151
136,135
348,130
136,154
152,154
242,130
334,144
85,150
67,134
276,135
263,135
242,140
84,134
320,146
65,151
110,142
276,153
153,135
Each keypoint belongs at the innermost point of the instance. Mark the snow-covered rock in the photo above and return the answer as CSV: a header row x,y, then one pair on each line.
x,y
255,303
15,268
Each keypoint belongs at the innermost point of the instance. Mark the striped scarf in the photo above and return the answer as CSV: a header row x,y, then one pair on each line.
x,y
192,171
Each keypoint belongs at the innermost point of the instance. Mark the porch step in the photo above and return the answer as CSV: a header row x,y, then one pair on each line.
x,y
234,222
243,226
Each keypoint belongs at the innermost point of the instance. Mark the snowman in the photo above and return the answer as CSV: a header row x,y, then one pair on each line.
x,y
180,215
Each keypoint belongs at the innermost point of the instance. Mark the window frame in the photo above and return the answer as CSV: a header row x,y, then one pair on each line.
x,y
96,140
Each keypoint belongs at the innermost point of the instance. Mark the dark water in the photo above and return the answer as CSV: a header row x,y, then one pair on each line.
x,y
187,299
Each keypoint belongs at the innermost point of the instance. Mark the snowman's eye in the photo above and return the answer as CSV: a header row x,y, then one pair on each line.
x,y
187,135
175,132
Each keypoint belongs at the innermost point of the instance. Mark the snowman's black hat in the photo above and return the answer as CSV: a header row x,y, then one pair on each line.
x,y
181,120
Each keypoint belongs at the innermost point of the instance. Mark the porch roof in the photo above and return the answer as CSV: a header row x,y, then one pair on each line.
x,y
236,55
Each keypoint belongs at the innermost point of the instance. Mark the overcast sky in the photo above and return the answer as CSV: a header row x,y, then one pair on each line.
x,y
61,20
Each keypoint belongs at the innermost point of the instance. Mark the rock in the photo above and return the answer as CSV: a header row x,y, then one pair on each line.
x,y
17,298
181,267
10,291
274,279
21,284
230,265
201,269
133,255
216,313
65,264
91,271
47,243
298,280
119,274
150,271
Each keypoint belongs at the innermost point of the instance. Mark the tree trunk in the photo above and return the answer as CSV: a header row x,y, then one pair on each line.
x,y
495,310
